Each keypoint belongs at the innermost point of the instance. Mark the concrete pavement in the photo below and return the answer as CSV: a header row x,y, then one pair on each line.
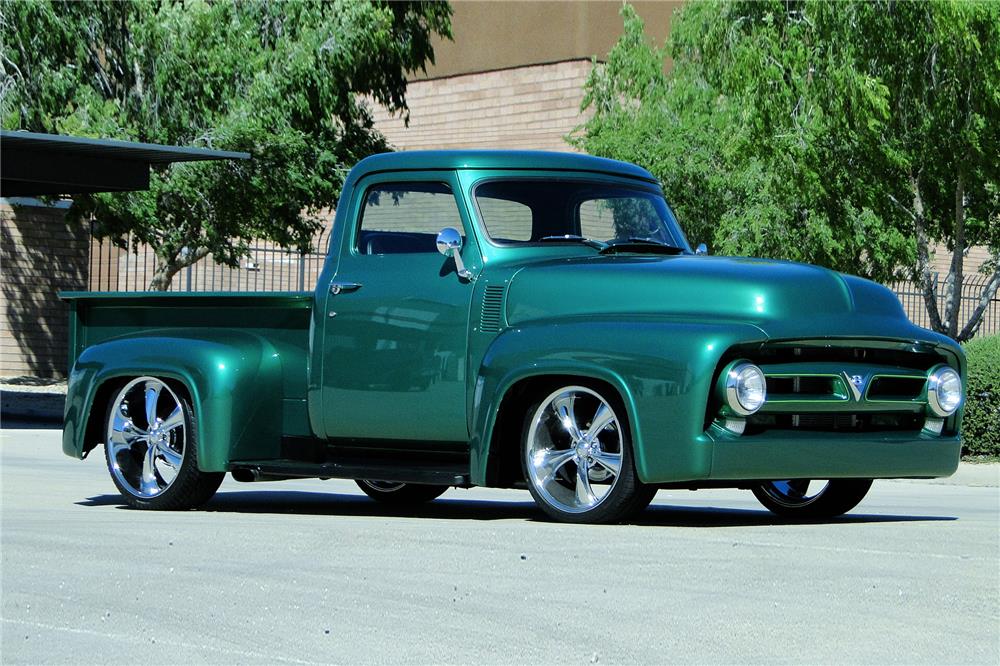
x,y
314,572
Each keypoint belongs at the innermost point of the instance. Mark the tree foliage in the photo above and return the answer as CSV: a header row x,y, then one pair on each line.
x,y
853,135
284,81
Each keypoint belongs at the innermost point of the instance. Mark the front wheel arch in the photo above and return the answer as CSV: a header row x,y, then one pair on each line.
x,y
504,463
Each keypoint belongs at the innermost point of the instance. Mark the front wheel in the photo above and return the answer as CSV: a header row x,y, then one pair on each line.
x,y
151,448
577,458
810,498
400,494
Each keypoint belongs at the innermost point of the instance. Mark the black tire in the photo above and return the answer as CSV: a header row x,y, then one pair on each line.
x,y
190,488
838,497
626,496
400,494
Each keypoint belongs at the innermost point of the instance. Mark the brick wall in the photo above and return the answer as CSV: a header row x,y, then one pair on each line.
x,y
40,254
531,108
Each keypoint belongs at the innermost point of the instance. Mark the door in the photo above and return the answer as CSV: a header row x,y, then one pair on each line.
x,y
396,334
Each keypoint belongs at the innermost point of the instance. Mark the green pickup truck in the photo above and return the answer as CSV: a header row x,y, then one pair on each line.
x,y
518,319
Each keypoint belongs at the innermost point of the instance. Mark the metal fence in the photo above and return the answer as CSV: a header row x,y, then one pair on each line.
x,y
268,268
912,298
271,268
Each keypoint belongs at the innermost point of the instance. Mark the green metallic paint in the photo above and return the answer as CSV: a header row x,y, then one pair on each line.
x,y
662,368
656,328
246,381
401,339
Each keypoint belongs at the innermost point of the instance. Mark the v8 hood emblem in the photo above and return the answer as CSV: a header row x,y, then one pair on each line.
x,y
856,384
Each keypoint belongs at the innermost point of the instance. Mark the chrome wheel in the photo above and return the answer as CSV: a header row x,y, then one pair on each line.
x,y
794,493
574,450
811,498
399,493
146,437
382,486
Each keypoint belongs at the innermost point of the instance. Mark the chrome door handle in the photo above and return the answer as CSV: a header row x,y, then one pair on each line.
x,y
343,287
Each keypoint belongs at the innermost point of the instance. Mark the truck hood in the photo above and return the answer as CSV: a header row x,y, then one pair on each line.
x,y
781,298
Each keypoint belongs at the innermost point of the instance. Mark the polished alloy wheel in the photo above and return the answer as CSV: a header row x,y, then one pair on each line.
x,y
574,449
398,493
382,486
146,437
811,499
795,493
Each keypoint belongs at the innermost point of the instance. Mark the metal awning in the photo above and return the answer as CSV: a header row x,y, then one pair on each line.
x,y
34,164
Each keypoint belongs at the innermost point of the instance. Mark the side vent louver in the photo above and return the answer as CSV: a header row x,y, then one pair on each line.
x,y
491,317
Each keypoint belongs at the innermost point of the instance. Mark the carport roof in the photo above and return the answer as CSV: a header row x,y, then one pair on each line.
x,y
33,164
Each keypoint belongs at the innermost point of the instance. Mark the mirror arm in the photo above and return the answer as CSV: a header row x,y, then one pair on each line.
x,y
460,268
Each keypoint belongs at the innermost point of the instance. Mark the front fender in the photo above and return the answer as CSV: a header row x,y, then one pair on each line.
x,y
662,368
234,380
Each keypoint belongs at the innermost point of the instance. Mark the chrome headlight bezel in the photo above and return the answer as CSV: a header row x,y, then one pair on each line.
x,y
944,391
737,377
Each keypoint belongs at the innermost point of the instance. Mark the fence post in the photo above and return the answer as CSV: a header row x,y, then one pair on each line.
x,y
189,277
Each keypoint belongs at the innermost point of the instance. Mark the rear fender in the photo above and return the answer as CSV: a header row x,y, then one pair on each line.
x,y
233,379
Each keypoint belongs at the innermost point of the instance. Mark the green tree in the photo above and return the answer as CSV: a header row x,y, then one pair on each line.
x,y
284,81
853,135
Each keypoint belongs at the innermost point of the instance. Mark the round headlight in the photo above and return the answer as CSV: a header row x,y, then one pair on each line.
x,y
745,388
944,391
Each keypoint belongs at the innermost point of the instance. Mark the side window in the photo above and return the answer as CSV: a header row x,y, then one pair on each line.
x,y
404,218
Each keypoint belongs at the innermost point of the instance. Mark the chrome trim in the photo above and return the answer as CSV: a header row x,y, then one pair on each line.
x,y
449,243
934,380
734,425
856,384
732,375
343,287
934,426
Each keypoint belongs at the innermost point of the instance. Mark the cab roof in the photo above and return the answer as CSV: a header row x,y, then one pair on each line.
x,y
429,160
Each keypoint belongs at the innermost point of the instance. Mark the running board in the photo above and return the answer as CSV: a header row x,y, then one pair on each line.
x,y
438,474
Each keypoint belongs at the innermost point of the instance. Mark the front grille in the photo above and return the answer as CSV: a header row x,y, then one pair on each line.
x,y
802,385
896,388
915,358
826,422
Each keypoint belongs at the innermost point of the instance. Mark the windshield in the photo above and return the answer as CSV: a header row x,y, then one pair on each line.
x,y
535,211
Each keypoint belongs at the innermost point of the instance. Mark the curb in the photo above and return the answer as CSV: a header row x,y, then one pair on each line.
x,y
30,406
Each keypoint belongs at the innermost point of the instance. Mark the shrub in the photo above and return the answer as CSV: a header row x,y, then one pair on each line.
x,y
981,424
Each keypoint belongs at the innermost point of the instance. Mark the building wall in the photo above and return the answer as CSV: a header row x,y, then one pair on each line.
x,y
498,35
40,254
532,107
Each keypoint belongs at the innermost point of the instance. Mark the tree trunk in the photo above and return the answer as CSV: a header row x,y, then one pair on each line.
x,y
928,286
168,267
976,319
953,288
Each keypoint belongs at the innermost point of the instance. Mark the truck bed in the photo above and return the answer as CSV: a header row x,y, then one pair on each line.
x,y
280,318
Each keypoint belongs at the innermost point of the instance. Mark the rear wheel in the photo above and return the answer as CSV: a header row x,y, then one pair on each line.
x,y
812,498
151,448
400,494
577,457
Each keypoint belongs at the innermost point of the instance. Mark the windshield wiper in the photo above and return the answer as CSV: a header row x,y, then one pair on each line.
x,y
641,245
574,238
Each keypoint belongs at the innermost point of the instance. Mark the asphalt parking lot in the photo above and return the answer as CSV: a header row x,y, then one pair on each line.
x,y
314,572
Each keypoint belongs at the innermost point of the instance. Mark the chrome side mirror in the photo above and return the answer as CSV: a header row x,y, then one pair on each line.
x,y
449,243
701,249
